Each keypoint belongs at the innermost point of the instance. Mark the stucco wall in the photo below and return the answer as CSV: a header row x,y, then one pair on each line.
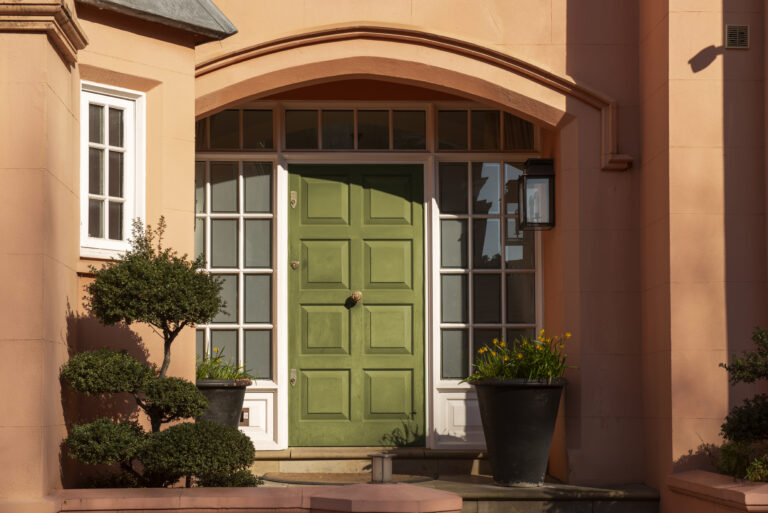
x,y
38,202
42,273
702,223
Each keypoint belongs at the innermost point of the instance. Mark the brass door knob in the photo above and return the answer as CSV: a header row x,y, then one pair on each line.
x,y
356,296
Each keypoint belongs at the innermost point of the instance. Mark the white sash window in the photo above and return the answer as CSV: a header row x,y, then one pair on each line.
x,y
111,168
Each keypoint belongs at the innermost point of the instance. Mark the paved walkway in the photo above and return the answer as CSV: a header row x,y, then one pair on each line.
x,y
481,495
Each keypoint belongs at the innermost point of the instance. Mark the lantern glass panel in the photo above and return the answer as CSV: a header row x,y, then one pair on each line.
x,y
537,200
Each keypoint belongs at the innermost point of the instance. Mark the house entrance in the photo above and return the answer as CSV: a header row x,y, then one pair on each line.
x,y
356,303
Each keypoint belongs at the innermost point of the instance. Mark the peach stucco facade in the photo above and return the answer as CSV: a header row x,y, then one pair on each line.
x,y
657,263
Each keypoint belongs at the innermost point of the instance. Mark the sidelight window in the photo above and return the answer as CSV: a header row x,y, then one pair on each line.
x,y
487,265
234,223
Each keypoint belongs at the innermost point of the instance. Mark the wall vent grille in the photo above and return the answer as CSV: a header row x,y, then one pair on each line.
x,y
737,36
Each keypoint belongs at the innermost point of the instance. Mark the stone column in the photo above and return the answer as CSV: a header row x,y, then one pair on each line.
x,y
39,134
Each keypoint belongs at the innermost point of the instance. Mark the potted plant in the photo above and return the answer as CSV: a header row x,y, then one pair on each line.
x,y
518,389
223,385
156,286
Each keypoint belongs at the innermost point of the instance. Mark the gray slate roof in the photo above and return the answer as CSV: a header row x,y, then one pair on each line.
x,y
200,17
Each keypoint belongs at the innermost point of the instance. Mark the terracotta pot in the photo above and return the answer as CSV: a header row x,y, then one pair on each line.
x,y
518,422
225,399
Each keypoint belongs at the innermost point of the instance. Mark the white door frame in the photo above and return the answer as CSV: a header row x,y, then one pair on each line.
x,y
268,399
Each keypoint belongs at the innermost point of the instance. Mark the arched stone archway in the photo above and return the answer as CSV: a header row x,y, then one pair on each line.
x,y
578,260
410,57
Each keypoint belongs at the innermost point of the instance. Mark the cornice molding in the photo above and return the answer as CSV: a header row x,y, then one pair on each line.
x,y
611,160
52,17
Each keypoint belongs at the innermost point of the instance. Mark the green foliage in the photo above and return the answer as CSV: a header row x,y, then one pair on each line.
x,y
749,422
167,399
105,441
734,458
217,367
156,286
196,449
757,470
409,436
542,358
752,365
745,456
744,460
242,478
105,372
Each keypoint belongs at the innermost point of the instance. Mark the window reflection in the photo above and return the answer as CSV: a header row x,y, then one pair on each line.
x,y
487,243
486,179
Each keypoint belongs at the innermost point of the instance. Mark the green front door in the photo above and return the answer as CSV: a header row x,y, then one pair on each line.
x,y
356,369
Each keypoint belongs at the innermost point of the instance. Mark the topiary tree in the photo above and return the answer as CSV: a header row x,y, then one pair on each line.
x,y
155,286
745,454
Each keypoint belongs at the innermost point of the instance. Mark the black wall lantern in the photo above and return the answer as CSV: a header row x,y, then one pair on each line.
x,y
536,194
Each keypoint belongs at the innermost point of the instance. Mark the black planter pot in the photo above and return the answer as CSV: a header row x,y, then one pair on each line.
x,y
225,399
518,422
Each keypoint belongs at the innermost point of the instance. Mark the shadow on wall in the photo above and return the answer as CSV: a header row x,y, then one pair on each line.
x,y
703,458
86,333
705,57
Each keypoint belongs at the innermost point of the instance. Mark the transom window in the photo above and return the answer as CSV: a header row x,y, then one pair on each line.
x,y
364,129
233,229
487,265
112,168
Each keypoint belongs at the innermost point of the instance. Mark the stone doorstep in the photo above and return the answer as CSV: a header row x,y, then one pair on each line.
x,y
361,498
358,453
408,460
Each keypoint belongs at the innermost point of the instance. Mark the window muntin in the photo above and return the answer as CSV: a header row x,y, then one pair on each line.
x,y
234,223
483,131
487,267
355,129
112,168
236,129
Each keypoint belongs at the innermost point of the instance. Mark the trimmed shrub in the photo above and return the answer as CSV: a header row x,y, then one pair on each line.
x,y
153,285
167,399
105,372
196,449
242,478
105,441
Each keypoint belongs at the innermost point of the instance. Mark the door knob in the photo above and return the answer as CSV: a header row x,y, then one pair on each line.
x,y
355,297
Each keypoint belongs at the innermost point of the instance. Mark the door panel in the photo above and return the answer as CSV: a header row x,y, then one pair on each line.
x,y
359,367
